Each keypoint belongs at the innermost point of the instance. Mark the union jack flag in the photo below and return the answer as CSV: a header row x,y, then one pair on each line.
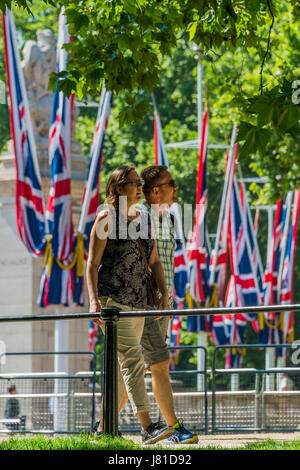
x,y
218,258
286,284
175,338
93,333
246,286
57,284
197,249
253,245
180,274
59,204
236,325
271,273
180,257
269,332
90,201
29,197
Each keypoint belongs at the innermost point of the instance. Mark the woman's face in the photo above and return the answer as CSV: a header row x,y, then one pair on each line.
x,y
132,188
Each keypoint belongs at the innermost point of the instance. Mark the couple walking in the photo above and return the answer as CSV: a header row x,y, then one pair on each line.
x,y
116,276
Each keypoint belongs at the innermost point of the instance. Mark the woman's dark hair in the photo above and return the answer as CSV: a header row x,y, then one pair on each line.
x,y
118,177
151,176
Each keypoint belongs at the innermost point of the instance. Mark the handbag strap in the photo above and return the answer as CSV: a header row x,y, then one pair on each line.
x,y
143,253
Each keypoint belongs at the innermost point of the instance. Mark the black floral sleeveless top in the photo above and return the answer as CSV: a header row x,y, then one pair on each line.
x,y
122,274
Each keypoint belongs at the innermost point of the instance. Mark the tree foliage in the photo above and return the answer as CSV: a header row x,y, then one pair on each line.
x,y
124,42
249,68
127,43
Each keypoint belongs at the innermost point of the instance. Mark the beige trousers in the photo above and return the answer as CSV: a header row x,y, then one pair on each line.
x,y
131,360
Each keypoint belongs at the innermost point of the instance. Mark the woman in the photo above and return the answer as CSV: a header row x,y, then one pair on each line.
x,y
116,276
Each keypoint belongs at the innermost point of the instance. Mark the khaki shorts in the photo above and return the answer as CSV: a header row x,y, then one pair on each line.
x,y
131,360
153,341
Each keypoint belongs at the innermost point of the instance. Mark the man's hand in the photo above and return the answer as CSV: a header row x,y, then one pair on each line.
x,y
163,304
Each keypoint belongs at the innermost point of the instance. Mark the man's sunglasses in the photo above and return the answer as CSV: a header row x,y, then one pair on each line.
x,y
170,183
139,182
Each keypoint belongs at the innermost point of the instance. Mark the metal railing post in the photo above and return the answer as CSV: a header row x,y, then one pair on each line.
x,y
110,315
213,392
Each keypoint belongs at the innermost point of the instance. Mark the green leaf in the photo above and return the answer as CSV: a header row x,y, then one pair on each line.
x,y
192,30
290,118
265,116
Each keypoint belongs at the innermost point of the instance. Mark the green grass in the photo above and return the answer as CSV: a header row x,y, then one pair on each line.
x,y
77,442
87,442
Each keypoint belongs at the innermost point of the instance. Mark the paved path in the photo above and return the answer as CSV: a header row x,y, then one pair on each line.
x,y
230,440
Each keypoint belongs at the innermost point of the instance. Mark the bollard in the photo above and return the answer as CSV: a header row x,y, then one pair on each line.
x,y
110,316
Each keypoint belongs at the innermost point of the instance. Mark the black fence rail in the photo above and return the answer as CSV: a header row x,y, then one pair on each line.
x,y
110,316
253,399
47,402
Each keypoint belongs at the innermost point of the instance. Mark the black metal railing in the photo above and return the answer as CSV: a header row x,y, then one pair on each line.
x,y
110,316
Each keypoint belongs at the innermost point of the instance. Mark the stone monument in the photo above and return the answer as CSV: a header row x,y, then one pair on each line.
x,y
20,273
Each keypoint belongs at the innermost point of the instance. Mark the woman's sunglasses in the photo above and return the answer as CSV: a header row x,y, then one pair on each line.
x,y
170,183
139,182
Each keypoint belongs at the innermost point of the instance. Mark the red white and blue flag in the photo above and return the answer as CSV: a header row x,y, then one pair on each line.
x,y
286,287
271,273
252,238
236,323
269,331
180,256
90,201
59,204
222,324
93,333
218,266
180,274
198,254
29,197
57,284
246,286
175,340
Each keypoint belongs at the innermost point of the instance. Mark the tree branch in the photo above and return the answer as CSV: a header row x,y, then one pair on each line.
x,y
268,46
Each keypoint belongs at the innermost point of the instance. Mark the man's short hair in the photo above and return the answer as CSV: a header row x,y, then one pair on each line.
x,y
151,176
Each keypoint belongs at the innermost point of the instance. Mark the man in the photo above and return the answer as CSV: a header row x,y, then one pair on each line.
x,y
160,190
12,408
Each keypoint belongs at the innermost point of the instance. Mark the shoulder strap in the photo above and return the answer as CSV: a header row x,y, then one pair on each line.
x,y
143,252
172,219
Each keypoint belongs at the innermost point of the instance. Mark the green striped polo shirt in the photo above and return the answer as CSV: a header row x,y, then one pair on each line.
x,y
166,244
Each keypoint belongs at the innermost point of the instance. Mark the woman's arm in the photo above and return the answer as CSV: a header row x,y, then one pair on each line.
x,y
96,250
158,273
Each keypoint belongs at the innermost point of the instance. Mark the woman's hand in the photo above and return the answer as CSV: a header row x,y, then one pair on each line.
x,y
95,306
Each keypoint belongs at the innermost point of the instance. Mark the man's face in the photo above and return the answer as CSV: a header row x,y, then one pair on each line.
x,y
167,189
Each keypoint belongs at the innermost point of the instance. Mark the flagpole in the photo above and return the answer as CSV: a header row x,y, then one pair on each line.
x,y
281,360
61,338
270,352
61,342
224,196
284,240
201,335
